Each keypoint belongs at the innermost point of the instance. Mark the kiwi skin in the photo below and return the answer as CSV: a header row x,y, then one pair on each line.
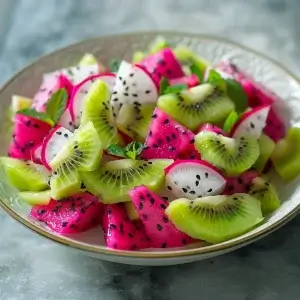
x,y
234,156
215,218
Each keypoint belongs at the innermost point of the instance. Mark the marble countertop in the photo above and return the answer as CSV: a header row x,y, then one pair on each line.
x,y
33,268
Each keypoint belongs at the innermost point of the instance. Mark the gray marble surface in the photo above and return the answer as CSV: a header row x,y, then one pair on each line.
x,y
32,268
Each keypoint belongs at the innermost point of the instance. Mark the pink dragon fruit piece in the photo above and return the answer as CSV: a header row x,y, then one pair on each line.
x,y
241,183
27,134
151,209
166,137
211,128
190,80
49,86
251,122
162,64
71,215
194,179
53,143
36,154
82,89
190,154
257,96
122,233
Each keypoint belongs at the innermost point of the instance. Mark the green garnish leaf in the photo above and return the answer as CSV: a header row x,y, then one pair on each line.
x,y
164,84
174,89
230,121
134,149
56,105
216,79
114,65
116,150
237,94
195,70
131,151
30,112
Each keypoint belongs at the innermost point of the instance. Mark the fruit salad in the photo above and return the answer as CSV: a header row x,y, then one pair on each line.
x,y
161,151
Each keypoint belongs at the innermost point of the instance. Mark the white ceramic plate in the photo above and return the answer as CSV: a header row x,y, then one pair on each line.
x,y
268,72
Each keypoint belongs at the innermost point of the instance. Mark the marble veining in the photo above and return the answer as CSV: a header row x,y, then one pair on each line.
x,y
33,268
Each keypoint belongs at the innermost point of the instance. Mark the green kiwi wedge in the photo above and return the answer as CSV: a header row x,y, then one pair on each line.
x,y
138,56
134,120
87,59
96,108
158,44
36,198
23,175
115,179
233,156
266,148
286,156
204,103
215,219
82,152
65,182
266,193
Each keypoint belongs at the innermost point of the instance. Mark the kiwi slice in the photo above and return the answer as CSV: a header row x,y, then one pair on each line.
x,y
134,120
65,182
87,59
204,103
115,179
82,152
266,148
131,212
36,198
286,156
23,175
215,218
158,44
234,156
138,56
96,108
266,193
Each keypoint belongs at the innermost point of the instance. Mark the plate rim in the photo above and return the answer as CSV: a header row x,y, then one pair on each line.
x,y
207,250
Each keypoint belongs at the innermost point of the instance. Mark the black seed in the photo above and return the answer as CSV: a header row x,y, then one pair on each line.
x,y
152,201
82,186
192,192
126,94
184,241
168,139
164,245
159,227
166,121
122,228
113,226
230,187
169,188
176,182
131,74
154,116
235,198
192,141
141,205
76,146
165,198
116,99
41,211
206,175
28,123
65,135
267,184
130,235
64,224
134,95
155,146
163,206
36,126
173,135
58,132
150,162
148,92
252,125
82,210
210,190
184,190
144,217
240,180
197,183
165,219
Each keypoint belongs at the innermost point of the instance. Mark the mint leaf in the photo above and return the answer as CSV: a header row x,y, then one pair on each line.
x,y
195,70
237,94
114,65
134,149
116,150
216,79
230,121
164,84
174,89
30,112
56,105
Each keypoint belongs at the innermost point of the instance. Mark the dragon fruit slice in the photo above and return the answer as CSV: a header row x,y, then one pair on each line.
x,y
37,154
133,85
190,154
166,138
190,80
76,74
28,133
193,179
241,183
257,96
162,64
71,215
122,233
159,228
251,122
211,128
53,143
67,121
82,89
49,86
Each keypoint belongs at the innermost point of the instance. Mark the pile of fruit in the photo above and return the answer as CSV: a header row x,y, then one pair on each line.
x,y
161,152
